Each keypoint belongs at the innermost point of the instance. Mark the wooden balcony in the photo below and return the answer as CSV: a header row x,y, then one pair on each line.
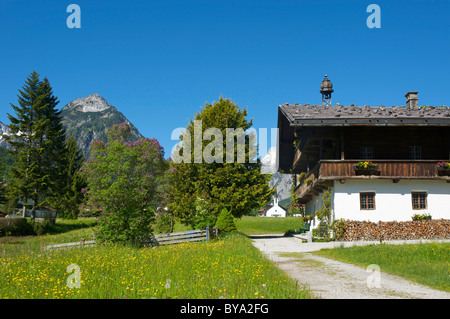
x,y
326,171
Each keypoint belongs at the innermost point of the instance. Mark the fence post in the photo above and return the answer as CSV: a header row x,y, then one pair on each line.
x,y
310,236
82,242
207,233
216,231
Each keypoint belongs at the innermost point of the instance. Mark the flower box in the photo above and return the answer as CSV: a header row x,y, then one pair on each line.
x,y
366,168
421,217
443,169
373,170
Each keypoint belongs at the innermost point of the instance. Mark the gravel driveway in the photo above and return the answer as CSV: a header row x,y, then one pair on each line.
x,y
330,279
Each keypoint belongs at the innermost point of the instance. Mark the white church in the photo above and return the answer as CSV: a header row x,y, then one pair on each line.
x,y
275,210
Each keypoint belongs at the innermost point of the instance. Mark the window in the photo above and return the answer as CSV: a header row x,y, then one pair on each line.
x,y
415,152
367,200
366,152
419,200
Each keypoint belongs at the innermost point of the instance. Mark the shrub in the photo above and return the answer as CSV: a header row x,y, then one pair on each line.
x,y
324,216
202,215
15,227
339,228
322,232
225,222
163,223
40,228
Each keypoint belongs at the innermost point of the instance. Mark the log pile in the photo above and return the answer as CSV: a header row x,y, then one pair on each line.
x,y
420,229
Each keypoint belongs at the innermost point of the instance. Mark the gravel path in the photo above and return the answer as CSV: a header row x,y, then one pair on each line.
x,y
330,279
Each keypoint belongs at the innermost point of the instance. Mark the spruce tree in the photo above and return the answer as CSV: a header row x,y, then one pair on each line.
x,y
53,131
69,197
2,184
38,139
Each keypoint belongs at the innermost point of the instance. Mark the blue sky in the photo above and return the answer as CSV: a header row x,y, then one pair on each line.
x,y
158,62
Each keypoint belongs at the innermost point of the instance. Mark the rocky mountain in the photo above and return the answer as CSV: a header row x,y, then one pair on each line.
x,y
282,182
3,130
269,162
89,119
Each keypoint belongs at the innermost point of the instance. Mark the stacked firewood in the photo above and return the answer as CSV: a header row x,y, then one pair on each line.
x,y
420,229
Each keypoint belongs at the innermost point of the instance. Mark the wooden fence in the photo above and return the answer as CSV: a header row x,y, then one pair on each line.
x,y
156,240
81,243
180,237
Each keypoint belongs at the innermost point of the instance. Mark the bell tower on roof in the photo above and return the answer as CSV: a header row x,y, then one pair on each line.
x,y
326,88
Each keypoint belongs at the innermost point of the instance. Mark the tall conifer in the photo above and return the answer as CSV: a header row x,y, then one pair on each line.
x,y
38,142
70,195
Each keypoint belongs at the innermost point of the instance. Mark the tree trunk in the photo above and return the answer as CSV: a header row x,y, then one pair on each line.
x,y
33,209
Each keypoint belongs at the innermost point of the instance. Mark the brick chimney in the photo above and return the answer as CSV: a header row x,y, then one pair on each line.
x,y
412,101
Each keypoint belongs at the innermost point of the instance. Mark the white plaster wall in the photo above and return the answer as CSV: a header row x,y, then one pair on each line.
x,y
316,203
392,200
276,211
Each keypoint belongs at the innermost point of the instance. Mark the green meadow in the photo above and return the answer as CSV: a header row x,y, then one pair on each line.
x,y
229,267
250,225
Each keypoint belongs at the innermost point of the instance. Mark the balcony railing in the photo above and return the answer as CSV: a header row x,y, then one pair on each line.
x,y
326,171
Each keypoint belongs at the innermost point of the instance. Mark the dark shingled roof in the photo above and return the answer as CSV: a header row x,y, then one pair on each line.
x,y
313,115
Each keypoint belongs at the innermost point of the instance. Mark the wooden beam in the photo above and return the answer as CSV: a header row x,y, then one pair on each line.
x,y
321,149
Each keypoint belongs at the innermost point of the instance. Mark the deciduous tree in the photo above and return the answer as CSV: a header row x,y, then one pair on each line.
x,y
123,179
236,185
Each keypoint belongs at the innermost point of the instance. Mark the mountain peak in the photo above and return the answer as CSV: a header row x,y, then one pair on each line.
x,y
90,118
281,182
90,103
269,161
4,130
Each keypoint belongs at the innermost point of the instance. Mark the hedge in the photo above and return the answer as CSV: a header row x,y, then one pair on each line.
x,y
18,226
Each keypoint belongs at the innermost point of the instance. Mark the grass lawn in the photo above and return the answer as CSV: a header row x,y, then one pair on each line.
x,y
427,264
225,268
64,231
250,225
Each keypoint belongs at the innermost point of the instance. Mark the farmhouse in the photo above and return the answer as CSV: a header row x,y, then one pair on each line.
x,y
378,163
